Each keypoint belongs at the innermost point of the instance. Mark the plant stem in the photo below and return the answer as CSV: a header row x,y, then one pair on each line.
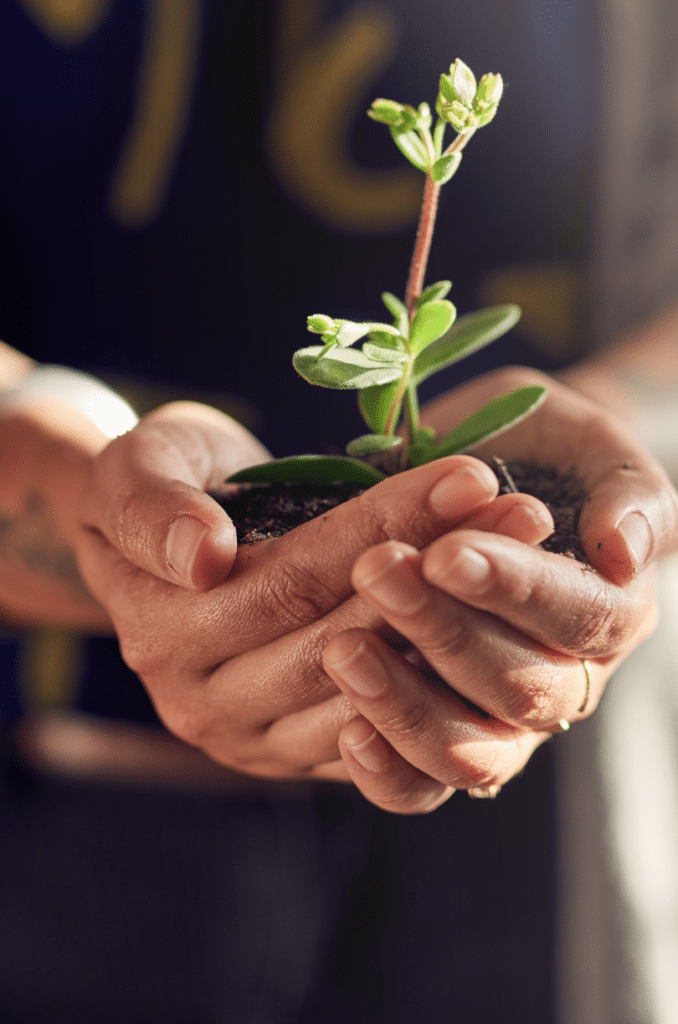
x,y
422,245
415,282
460,142
412,409
411,419
427,219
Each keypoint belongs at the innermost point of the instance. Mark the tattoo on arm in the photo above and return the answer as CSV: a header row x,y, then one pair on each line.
x,y
31,540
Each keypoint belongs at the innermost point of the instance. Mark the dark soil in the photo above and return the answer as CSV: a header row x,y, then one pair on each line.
x,y
562,493
264,511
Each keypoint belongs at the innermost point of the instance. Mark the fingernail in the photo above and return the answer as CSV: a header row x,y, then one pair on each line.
x,y
369,752
362,671
525,517
397,585
637,535
184,538
467,573
458,492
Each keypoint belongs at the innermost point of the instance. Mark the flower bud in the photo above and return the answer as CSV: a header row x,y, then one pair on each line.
x,y
487,98
490,89
425,115
387,112
318,323
463,81
456,114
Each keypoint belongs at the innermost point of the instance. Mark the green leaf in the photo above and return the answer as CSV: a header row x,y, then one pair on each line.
x,y
374,404
396,343
447,89
411,146
367,444
444,167
398,311
382,354
468,334
434,291
343,368
410,118
312,469
350,332
490,420
432,320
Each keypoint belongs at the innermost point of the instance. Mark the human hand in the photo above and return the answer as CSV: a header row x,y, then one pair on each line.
x,y
237,670
505,625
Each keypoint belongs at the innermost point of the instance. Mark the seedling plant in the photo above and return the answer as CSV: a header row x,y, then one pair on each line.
x,y
424,335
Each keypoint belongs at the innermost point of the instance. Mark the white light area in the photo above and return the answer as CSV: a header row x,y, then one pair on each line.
x,y
106,409
639,765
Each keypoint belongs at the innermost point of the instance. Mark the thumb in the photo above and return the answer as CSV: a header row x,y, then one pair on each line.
x,y
147,495
630,519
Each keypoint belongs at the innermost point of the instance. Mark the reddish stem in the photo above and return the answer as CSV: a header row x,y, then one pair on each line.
x,y
422,245
427,219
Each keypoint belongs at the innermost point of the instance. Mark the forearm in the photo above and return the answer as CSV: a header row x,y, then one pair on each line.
x,y
46,451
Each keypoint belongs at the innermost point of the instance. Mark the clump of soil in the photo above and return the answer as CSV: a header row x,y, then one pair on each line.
x,y
264,511
562,493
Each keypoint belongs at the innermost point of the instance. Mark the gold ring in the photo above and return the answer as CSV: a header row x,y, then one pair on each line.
x,y
587,669
488,793
563,724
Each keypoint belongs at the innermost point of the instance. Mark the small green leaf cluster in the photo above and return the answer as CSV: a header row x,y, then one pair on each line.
x,y
397,358
425,335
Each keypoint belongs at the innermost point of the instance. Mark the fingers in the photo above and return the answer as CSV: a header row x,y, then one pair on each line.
x,y
383,776
280,586
148,493
488,662
554,600
519,516
445,744
630,519
631,516
300,577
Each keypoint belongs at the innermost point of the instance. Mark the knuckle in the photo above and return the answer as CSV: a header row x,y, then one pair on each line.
x,y
125,522
444,646
474,768
409,724
294,597
597,627
181,721
380,518
539,702
142,654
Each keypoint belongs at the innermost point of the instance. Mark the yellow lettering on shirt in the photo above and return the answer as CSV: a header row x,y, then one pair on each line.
x,y
323,75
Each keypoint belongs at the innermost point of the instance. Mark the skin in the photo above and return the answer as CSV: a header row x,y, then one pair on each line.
x,y
244,653
412,744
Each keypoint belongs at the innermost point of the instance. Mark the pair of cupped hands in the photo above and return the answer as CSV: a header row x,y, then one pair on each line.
x,y
326,653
